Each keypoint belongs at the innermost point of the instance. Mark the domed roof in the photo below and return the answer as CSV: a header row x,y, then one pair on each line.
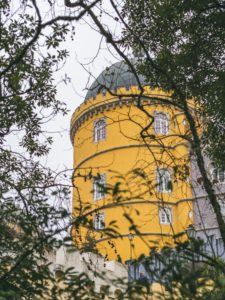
x,y
114,77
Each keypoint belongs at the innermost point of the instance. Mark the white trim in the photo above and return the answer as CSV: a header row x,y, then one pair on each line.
x,y
99,221
165,215
162,180
217,177
99,185
161,126
99,134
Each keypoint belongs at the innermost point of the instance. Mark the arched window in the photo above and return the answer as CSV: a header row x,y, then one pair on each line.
x,y
99,186
99,130
99,221
218,175
163,181
165,215
161,123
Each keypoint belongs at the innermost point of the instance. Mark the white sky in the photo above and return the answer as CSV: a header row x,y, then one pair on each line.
x,y
82,49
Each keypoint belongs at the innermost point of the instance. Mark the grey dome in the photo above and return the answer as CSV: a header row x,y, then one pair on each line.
x,y
114,77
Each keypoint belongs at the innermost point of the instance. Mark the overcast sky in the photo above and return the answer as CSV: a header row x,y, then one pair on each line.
x,y
88,54
87,48
82,49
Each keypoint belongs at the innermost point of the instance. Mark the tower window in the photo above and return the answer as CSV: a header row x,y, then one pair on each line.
x,y
99,130
99,187
99,221
218,175
165,215
161,123
164,182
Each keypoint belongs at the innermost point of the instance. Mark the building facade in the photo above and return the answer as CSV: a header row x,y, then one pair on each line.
x,y
108,277
131,167
205,222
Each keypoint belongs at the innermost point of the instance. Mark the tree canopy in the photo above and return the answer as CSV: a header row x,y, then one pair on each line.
x,y
32,214
175,49
179,47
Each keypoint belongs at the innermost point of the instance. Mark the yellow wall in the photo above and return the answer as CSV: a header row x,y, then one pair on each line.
x,y
123,151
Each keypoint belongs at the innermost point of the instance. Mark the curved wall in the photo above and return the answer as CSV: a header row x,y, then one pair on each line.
x,y
136,205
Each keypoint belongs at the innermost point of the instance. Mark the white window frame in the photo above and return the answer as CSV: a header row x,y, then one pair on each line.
x,y
161,123
99,130
99,185
217,176
99,221
163,177
165,215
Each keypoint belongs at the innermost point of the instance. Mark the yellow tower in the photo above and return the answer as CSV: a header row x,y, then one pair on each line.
x,y
131,183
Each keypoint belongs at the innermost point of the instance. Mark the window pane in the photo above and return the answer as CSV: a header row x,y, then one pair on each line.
x,y
99,220
161,124
218,175
99,187
99,130
164,183
165,215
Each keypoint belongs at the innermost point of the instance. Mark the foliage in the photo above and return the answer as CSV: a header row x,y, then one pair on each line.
x,y
31,222
175,46
25,96
180,47
166,39
187,272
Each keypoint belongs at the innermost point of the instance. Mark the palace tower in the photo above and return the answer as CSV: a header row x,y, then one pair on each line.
x,y
131,178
